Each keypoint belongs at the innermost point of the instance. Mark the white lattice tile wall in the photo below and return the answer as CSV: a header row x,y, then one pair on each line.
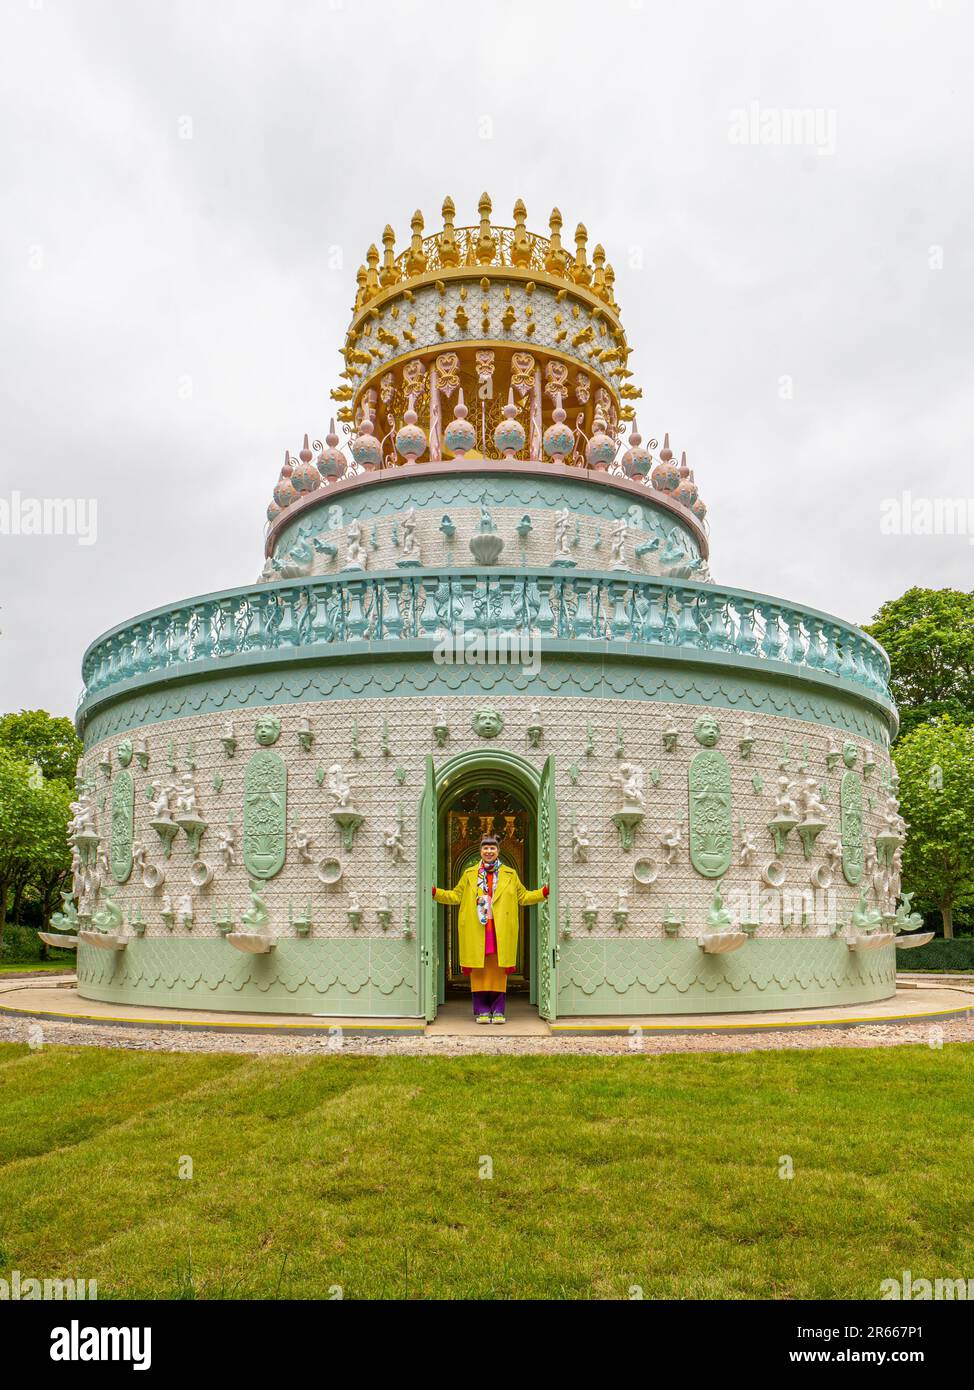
x,y
378,795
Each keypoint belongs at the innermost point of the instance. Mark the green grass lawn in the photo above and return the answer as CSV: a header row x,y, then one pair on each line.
x,y
608,1172
64,961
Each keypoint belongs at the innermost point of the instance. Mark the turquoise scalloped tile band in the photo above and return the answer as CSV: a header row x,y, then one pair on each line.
x,y
604,671
386,499
380,978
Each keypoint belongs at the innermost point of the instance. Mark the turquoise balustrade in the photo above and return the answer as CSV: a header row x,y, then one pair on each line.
x,y
692,619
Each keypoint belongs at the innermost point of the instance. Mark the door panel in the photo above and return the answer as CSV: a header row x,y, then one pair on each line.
x,y
426,911
548,910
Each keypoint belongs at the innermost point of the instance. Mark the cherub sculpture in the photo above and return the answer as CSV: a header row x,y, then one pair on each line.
x,y
339,786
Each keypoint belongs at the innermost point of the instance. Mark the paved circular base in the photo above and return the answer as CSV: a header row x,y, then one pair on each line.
x,y
60,1001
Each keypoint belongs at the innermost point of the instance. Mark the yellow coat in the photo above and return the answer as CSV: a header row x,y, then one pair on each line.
x,y
509,895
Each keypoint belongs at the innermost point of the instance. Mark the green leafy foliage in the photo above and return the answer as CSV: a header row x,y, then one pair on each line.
x,y
38,756
929,636
48,740
935,762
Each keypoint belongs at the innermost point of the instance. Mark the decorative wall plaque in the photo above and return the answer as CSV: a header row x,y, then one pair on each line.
x,y
711,822
850,800
123,823
265,814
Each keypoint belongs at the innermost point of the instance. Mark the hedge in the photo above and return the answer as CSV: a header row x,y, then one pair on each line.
x,y
939,955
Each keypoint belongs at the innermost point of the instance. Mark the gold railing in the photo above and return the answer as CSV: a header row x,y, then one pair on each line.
x,y
466,240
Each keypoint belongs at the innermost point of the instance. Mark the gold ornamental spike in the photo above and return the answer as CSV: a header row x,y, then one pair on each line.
x,y
372,285
416,260
610,280
556,261
360,277
581,270
449,251
521,245
598,274
486,246
389,273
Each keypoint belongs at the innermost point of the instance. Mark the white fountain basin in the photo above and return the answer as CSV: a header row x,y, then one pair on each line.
x,y
64,941
716,943
104,940
255,943
872,942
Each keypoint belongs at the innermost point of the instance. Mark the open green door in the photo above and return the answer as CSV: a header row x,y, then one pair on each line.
x,y
426,923
548,910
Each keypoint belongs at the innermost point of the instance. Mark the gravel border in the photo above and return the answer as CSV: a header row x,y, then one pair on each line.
x,y
40,1032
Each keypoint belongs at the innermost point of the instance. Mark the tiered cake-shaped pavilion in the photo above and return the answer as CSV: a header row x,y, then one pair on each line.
x,y
488,611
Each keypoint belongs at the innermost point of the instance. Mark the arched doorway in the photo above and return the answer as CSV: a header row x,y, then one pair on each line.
x,y
467,796
480,804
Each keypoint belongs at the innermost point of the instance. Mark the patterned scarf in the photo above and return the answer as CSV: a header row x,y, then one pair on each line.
x,y
485,891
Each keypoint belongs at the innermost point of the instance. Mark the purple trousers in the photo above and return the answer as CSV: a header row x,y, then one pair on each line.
x,y
487,1002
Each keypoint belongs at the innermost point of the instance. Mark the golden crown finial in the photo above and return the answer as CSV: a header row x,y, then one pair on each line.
x,y
486,246
449,251
372,284
610,280
581,271
360,277
416,260
521,245
598,274
389,273
557,258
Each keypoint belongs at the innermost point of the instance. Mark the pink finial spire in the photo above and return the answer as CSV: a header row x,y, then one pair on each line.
x,y
686,488
509,436
460,436
331,462
367,451
305,455
558,439
411,441
637,461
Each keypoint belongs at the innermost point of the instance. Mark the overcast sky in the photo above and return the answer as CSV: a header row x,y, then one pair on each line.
x,y
180,179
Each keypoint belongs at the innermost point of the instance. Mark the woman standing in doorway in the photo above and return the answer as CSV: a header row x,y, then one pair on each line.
x,y
489,896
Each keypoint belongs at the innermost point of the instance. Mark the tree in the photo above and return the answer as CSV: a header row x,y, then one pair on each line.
x,y
929,636
15,825
50,852
35,858
935,762
48,740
